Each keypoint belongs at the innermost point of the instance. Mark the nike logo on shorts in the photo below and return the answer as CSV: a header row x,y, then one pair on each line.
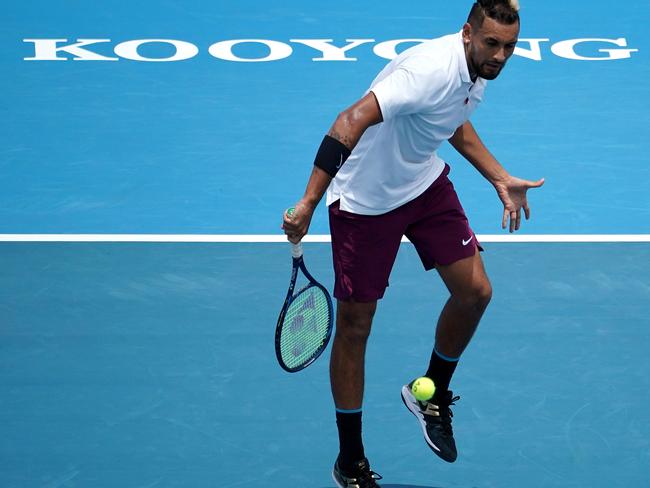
x,y
465,242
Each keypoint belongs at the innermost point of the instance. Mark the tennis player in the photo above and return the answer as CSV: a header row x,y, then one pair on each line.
x,y
384,180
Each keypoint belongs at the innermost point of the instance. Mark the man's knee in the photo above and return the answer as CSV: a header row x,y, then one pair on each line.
x,y
477,296
354,320
483,293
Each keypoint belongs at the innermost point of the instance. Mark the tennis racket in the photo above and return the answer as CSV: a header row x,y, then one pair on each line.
x,y
305,324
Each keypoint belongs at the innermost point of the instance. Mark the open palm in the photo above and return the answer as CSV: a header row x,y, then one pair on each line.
x,y
512,193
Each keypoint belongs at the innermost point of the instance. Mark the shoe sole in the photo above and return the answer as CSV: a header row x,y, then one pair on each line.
x,y
411,403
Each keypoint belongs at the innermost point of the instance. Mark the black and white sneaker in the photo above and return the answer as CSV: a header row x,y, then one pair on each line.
x,y
435,420
360,476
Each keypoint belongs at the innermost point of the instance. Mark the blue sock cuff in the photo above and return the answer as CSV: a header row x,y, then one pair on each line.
x,y
341,410
446,358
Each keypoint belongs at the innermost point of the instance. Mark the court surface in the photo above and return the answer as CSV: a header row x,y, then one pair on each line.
x,y
151,364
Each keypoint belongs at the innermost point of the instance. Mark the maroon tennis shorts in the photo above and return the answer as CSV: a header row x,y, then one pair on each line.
x,y
365,246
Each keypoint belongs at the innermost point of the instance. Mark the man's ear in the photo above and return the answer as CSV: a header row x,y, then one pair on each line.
x,y
467,33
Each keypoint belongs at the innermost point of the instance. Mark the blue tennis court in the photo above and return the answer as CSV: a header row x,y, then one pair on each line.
x,y
148,151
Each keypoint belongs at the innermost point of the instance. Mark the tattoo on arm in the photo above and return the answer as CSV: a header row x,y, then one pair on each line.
x,y
343,139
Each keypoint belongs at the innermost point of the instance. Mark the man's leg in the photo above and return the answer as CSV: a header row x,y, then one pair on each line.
x,y
471,292
347,361
364,248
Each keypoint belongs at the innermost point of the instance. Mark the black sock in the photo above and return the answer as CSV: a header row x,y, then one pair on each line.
x,y
441,369
350,444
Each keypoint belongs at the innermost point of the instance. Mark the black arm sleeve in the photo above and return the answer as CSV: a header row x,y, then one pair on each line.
x,y
331,155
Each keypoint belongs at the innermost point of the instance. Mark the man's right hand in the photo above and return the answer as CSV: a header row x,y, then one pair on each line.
x,y
296,225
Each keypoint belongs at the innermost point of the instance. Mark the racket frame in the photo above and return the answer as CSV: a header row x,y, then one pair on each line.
x,y
299,264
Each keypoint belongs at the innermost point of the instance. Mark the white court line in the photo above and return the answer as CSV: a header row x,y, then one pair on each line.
x,y
261,238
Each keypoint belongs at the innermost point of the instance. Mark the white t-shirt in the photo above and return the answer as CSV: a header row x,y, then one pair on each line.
x,y
424,95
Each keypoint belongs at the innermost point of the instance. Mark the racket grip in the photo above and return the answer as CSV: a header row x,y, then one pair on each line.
x,y
296,250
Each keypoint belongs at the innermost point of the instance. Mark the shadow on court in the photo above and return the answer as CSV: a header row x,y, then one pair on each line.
x,y
409,486
406,486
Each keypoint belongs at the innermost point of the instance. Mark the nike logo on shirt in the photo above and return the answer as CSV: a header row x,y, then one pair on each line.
x,y
465,242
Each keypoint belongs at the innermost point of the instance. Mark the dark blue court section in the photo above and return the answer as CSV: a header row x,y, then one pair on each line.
x,y
152,365
213,146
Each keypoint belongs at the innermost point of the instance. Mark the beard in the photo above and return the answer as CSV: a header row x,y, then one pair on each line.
x,y
490,73
485,69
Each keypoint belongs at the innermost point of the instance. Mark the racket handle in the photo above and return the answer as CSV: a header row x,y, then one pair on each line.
x,y
296,250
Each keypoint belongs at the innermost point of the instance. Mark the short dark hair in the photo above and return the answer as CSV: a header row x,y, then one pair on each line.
x,y
503,11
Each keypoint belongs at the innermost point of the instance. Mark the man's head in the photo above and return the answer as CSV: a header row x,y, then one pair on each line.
x,y
490,36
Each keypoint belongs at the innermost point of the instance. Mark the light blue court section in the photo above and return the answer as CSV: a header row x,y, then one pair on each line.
x,y
213,146
137,365
152,365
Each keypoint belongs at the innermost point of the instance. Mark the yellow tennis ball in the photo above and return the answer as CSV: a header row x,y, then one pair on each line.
x,y
423,389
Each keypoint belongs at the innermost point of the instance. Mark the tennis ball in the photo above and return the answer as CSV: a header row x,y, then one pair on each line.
x,y
423,389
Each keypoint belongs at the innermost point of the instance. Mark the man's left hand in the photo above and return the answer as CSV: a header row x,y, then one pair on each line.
x,y
512,193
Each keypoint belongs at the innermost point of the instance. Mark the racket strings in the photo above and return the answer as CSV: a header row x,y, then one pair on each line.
x,y
305,326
